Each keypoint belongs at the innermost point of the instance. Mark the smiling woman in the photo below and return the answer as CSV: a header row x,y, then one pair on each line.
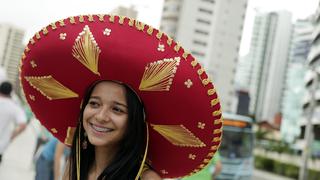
x,y
147,108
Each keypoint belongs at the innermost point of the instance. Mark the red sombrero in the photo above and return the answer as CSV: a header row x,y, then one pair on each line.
x,y
182,108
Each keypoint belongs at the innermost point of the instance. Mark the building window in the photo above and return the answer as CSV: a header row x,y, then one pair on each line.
x,y
228,103
196,53
201,43
201,32
203,21
165,8
209,1
205,10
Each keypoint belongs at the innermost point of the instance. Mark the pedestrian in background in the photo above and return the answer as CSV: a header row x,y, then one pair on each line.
x,y
50,164
12,117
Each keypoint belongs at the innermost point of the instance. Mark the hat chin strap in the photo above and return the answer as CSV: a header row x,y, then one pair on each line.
x,y
145,154
78,151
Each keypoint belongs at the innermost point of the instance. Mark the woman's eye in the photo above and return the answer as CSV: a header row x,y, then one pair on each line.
x,y
117,109
93,104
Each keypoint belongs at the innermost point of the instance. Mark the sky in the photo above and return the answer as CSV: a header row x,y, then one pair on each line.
x,y
300,9
32,15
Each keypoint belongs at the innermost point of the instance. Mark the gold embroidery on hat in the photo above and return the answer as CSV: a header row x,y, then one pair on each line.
x,y
169,41
45,31
194,63
201,166
54,130
201,125
196,170
163,171
23,56
101,17
50,88
200,71
131,22
61,23
86,50
32,97
217,113
140,25
107,32
81,18
192,156
188,83
177,47
178,135
33,64
27,49
72,20
150,30
214,148
32,41
121,19
159,35
185,54
70,134
62,36
160,47
217,131
53,26
38,35
218,121
214,102
158,75
205,81
211,92
216,139
90,18
210,155
111,18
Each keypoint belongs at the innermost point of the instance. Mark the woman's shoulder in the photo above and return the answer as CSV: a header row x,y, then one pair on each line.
x,y
150,175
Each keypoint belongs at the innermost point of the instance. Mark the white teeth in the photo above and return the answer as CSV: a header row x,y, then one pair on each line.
x,y
100,129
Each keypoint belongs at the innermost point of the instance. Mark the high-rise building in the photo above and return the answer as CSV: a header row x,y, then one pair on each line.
x,y
211,30
312,79
295,84
268,54
124,11
242,79
11,48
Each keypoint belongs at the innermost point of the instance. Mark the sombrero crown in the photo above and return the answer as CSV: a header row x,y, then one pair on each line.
x,y
182,108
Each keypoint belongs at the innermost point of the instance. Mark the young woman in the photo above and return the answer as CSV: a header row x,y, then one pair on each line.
x,y
112,69
112,120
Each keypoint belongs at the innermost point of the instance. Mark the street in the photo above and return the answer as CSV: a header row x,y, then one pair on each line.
x,y
17,160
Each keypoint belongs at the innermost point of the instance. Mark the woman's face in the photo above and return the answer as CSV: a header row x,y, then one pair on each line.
x,y
105,117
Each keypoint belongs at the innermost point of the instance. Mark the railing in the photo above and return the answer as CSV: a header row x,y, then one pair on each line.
x,y
287,158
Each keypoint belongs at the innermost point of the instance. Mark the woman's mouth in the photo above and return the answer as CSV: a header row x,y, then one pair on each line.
x,y
100,128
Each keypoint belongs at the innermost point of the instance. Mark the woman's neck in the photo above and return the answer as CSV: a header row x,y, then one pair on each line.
x,y
103,157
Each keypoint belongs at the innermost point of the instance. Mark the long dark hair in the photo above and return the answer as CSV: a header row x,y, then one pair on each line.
x,y
126,163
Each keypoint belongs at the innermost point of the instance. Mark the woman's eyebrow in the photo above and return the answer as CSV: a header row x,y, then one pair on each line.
x,y
94,97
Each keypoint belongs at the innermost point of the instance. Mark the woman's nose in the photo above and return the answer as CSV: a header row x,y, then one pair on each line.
x,y
102,115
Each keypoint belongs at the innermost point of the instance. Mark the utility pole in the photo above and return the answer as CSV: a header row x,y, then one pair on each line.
x,y
308,135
